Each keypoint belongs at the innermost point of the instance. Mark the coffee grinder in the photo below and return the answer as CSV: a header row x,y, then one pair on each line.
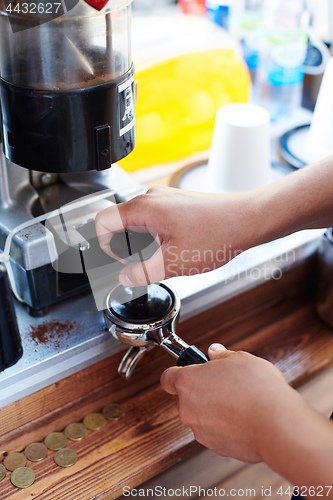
x,y
67,115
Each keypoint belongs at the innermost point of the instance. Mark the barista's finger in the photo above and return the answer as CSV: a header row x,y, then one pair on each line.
x,y
144,272
170,380
217,351
107,223
104,243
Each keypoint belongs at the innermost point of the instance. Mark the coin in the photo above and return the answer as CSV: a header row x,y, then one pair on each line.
x,y
35,452
55,441
113,411
3,472
14,460
65,457
23,477
94,421
76,431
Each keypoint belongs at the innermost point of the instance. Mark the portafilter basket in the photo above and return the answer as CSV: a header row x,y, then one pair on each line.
x,y
147,321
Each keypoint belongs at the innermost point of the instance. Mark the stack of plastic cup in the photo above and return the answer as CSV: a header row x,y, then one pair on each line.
x,y
320,135
240,152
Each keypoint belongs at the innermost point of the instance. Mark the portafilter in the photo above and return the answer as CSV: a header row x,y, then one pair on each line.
x,y
144,317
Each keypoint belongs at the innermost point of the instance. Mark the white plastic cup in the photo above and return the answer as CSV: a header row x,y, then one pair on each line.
x,y
320,135
239,158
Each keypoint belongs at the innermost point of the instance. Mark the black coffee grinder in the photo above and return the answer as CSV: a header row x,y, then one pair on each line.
x,y
66,85
66,115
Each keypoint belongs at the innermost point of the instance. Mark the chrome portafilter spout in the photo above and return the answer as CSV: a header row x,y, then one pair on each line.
x,y
144,320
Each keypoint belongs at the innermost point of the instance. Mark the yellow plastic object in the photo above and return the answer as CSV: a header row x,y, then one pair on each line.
x,y
177,103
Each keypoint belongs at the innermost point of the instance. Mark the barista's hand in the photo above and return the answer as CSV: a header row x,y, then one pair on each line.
x,y
240,406
232,403
200,232
196,232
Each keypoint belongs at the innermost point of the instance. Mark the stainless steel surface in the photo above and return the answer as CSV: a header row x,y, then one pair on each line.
x,y
246,271
69,338
5,198
67,224
33,246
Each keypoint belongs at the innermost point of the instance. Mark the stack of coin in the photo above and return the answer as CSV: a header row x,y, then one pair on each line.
x,y
35,452
3,472
94,421
65,457
14,461
113,411
76,431
23,477
55,441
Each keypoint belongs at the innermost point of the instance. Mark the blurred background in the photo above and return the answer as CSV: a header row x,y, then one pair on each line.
x,y
193,56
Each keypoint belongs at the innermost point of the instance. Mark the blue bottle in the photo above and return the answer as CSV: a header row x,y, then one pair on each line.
x,y
218,12
282,53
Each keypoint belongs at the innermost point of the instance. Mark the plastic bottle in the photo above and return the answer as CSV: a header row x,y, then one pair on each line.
x,y
281,56
196,7
245,23
218,12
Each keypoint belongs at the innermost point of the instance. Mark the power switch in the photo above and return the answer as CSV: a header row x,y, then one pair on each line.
x,y
103,147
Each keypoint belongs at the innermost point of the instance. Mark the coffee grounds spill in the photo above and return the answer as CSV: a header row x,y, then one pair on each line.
x,y
53,331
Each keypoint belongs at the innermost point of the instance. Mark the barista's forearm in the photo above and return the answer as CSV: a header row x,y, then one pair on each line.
x,y
301,200
300,449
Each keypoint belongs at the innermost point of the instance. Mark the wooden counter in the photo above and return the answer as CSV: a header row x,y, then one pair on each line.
x,y
276,321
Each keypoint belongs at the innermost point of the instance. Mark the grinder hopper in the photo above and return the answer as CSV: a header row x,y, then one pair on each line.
x,y
66,84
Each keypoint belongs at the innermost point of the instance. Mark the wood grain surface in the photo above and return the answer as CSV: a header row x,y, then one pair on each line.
x,y
276,321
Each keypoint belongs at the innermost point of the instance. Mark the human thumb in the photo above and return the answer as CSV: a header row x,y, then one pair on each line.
x,y
216,351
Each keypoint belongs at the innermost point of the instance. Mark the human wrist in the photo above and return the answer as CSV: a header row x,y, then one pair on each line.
x,y
273,214
291,442
300,200
254,228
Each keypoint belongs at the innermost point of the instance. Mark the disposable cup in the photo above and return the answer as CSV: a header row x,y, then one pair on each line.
x,y
320,135
239,158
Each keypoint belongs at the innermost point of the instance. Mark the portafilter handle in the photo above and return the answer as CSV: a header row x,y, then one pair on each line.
x,y
131,245
179,349
183,352
192,356
144,336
